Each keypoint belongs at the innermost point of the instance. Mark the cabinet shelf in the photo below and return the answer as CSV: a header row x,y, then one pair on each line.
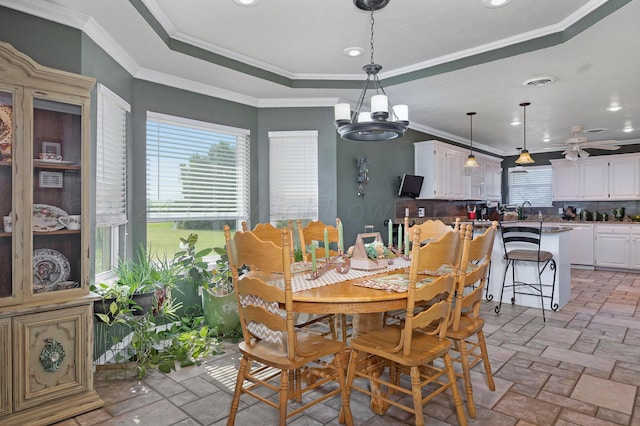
x,y
51,166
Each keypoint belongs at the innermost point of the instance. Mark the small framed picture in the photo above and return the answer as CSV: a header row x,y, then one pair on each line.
x,y
51,148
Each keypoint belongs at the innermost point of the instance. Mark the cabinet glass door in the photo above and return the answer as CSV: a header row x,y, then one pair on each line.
x,y
57,196
7,129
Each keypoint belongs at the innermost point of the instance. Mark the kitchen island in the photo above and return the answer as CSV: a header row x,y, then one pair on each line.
x,y
555,239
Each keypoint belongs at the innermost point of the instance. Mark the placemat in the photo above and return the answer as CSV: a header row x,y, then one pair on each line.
x,y
396,282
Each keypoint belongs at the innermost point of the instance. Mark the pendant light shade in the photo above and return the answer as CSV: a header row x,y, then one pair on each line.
x,y
471,159
525,157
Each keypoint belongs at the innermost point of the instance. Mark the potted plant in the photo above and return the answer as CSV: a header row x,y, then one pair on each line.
x,y
215,286
141,285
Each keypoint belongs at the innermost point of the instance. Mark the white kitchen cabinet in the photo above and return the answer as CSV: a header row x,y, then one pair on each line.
x,y
634,243
445,177
624,176
565,180
492,179
610,177
594,178
442,168
612,248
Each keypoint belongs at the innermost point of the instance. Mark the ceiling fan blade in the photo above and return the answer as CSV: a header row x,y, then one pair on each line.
x,y
609,144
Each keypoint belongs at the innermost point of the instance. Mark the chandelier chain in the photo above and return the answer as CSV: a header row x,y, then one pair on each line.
x,y
371,42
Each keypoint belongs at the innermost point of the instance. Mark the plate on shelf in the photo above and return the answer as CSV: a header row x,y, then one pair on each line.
x,y
49,268
45,218
39,161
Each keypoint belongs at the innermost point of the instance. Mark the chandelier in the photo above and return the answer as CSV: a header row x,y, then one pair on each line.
x,y
382,122
525,157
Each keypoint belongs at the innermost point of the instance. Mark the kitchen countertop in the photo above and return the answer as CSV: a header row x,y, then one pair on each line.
x,y
546,219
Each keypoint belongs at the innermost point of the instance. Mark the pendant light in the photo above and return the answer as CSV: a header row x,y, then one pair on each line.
x,y
525,157
382,123
471,159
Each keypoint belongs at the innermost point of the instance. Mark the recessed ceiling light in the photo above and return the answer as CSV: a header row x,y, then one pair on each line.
x,y
546,139
628,129
539,81
495,3
614,108
516,122
353,51
246,2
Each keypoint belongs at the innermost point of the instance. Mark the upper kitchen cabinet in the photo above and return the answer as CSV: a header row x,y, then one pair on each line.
x,y
442,168
611,177
445,177
46,309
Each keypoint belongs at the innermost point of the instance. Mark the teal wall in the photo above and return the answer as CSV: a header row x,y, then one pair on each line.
x,y
46,42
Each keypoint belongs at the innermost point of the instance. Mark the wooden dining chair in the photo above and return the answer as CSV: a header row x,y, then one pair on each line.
x,y
429,230
466,325
272,348
323,324
268,232
314,231
404,347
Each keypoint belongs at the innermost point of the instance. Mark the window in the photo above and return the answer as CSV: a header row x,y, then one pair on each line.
x,y
293,175
533,186
111,177
197,181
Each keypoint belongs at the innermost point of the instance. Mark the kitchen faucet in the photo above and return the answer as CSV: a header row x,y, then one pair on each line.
x,y
522,209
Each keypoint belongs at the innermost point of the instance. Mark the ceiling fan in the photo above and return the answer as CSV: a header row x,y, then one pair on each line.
x,y
576,144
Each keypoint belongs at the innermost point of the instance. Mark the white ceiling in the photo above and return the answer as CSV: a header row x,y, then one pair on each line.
x,y
441,57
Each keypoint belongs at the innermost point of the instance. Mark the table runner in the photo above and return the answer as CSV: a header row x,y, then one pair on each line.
x,y
300,283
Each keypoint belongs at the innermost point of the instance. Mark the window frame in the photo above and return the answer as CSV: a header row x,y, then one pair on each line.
x,y
209,133
112,220
281,170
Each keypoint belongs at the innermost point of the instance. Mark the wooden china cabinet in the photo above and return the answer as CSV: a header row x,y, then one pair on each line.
x,y
46,310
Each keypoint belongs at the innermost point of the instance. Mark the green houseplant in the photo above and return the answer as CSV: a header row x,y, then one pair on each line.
x,y
215,286
145,329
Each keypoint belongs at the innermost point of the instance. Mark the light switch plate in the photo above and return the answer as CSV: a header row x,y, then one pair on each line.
x,y
420,211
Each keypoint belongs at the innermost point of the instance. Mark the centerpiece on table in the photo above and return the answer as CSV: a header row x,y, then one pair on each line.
x,y
371,255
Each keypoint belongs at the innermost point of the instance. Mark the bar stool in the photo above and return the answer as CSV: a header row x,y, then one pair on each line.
x,y
522,244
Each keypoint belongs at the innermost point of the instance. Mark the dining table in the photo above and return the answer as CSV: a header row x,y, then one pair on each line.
x,y
344,294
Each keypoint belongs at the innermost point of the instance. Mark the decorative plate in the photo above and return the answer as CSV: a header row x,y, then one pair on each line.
x,y
49,267
45,218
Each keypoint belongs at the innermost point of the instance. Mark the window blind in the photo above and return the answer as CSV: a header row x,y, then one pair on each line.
x,y
533,186
111,158
196,170
293,175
